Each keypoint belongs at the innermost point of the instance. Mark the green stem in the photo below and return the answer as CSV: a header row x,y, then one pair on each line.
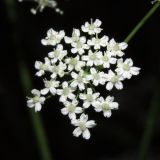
x,y
154,109
142,22
153,115
27,85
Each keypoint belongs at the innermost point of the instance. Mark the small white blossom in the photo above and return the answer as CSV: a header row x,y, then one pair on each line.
x,y
53,37
79,46
42,67
71,109
116,48
51,86
107,59
65,92
43,4
114,80
92,28
74,63
82,125
89,98
58,70
98,42
79,80
36,101
126,69
96,77
106,105
93,58
75,36
57,54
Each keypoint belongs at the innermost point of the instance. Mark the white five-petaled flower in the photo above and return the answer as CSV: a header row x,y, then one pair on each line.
x,y
42,67
75,36
58,70
116,48
107,59
74,63
71,109
114,80
51,86
36,101
79,46
57,54
53,37
93,28
98,42
79,80
89,98
126,69
93,58
43,4
96,77
66,92
106,105
82,126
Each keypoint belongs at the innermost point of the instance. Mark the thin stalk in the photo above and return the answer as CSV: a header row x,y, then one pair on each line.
x,y
154,110
153,115
142,22
27,85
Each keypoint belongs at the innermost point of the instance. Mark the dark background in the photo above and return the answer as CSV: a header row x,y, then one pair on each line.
x,y
116,138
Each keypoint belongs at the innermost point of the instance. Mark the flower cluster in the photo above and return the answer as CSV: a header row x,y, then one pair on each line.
x,y
41,4
154,1
74,73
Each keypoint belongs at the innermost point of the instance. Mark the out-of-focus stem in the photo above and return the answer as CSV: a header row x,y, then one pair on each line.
x,y
26,83
155,105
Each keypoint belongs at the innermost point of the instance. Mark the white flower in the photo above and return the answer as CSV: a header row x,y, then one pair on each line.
x,y
126,68
57,54
79,80
74,63
79,46
98,42
107,59
58,70
53,37
42,67
96,77
114,80
36,101
93,58
92,28
116,48
82,125
65,92
71,109
75,36
106,105
89,98
51,86
43,4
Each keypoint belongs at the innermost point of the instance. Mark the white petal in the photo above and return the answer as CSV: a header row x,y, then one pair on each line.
x,y
44,91
78,110
77,132
107,113
90,124
109,86
64,111
86,104
86,134
119,85
84,117
72,115
38,107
